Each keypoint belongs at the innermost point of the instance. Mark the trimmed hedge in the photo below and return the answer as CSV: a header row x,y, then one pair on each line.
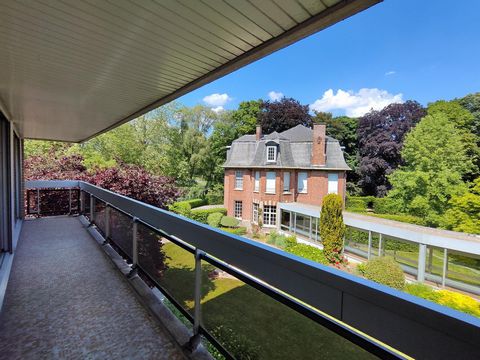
x,y
359,203
229,221
451,299
194,203
201,215
181,207
383,270
384,206
237,231
213,219
307,252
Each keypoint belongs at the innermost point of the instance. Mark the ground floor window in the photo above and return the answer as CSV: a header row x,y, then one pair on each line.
x,y
255,213
285,220
238,209
269,215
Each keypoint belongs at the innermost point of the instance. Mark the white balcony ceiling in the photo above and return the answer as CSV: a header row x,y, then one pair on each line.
x,y
72,69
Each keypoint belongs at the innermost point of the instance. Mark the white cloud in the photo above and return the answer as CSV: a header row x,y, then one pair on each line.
x,y
391,72
355,103
275,95
216,100
218,109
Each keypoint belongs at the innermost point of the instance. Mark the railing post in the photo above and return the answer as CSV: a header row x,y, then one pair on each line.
x,y
107,222
197,312
69,201
133,272
369,252
445,264
422,253
92,208
82,202
38,202
379,244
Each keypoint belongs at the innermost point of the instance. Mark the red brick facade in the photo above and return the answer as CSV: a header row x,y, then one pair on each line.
x,y
317,188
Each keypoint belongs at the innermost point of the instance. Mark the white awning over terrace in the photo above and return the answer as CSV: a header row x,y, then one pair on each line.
x,y
70,70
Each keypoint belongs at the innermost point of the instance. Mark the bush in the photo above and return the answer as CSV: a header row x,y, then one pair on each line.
x,y
213,219
451,299
383,270
194,203
181,207
242,230
307,252
215,195
229,221
384,206
281,241
332,228
201,215
359,203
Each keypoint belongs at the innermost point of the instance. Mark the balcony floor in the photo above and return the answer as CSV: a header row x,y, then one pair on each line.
x,y
65,300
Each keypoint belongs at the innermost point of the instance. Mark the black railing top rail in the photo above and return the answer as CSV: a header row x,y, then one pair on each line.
x,y
412,325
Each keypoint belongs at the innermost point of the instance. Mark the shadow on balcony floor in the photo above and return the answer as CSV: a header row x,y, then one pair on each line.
x,y
65,300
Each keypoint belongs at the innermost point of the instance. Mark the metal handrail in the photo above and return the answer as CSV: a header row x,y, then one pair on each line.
x,y
414,326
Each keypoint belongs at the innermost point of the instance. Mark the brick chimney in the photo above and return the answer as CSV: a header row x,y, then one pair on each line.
x,y
259,132
319,144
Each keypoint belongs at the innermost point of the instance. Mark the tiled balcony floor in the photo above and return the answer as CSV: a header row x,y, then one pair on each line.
x,y
65,300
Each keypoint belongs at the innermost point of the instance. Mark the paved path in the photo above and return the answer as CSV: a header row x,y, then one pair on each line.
x,y
65,300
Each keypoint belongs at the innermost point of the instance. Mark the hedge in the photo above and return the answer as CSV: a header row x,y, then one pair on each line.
x,y
184,207
359,203
383,270
214,219
229,221
237,231
384,206
402,218
307,252
201,215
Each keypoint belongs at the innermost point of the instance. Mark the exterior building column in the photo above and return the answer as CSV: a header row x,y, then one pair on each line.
x,y
422,254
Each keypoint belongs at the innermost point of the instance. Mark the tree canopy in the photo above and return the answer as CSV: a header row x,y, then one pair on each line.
x,y
380,140
283,114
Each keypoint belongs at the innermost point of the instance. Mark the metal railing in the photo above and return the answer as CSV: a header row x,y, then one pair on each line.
x,y
342,306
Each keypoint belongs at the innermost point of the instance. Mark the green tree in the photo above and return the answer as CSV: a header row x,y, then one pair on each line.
x,y
464,214
332,228
436,160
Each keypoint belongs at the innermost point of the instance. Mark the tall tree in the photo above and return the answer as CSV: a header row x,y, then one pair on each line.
x,y
436,159
332,228
283,114
380,140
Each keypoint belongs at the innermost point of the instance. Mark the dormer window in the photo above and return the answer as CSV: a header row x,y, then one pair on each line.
x,y
271,153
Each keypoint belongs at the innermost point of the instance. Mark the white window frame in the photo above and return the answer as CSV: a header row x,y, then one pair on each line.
x,y
238,180
274,149
300,188
255,212
286,182
269,216
238,209
333,183
257,182
270,190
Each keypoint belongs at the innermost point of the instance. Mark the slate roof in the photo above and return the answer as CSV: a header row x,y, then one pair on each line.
x,y
294,151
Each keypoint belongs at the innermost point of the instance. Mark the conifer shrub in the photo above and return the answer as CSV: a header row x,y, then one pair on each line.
x,y
229,222
332,228
383,270
213,219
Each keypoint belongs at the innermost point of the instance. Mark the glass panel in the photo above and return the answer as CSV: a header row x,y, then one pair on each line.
x,y
121,231
168,264
356,242
285,223
303,225
434,264
251,325
404,252
54,202
463,268
99,215
87,205
32,202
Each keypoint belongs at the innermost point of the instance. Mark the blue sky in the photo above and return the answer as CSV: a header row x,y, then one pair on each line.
x,y
396,50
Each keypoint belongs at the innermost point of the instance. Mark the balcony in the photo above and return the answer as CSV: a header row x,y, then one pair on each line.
x,y
234,295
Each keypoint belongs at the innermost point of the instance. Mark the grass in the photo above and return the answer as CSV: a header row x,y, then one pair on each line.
x,y
266,328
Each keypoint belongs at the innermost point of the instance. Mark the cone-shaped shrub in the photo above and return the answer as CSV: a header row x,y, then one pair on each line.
x,y
332,228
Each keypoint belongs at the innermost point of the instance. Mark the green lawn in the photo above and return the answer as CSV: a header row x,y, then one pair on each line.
x,y
249,322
